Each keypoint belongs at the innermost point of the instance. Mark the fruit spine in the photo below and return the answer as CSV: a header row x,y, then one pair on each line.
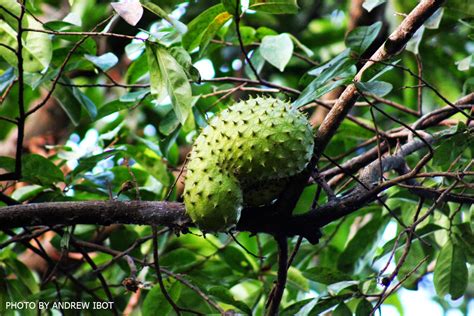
x,y
244,157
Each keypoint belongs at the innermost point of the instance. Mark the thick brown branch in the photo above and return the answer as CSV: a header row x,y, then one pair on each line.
x,y
261,220
94,212
393,45
255,220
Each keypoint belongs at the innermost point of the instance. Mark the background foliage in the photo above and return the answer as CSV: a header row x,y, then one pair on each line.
x,y
112,95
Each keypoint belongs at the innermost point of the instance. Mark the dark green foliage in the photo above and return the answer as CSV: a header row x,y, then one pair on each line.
x,y
130,101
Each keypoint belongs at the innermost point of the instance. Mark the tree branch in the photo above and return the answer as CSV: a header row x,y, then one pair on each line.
x,y
255,220
277,294
392,46
94,212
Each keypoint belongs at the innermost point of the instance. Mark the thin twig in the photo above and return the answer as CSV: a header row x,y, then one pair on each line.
x,y
295,251
392,104
92,33
366,187
99,275
241,43
156,264
234,238
420,84
7,119
277,294
254,82
379,150
21,97
425,83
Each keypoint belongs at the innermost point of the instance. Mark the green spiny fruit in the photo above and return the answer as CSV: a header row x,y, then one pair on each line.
x,y
244,157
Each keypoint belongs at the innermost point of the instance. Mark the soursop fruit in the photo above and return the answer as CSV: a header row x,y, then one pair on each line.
x,y
244,157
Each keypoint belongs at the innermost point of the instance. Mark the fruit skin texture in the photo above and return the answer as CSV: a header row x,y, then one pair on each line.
x,y
244,157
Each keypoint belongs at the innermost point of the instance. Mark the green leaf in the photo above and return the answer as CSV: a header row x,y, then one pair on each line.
x,y
451,274
138,69
448,149
135,96
135,49
236,259
225,296
425,231
38,170
414,43
72,99
37,47
184,59
85,102
49,295
313,91
277,50
61,26
158,81
324,303
460,8
66,99
8,36
27,192
104,62
248,35
364,308
369,5
167,75
464,236
412,260
361,243
340,66
7,163
150,161
379,88
14,8
201,24
154,8
212,29
274,6
230,6
360,38
465,63
112,107
121,239
326,275
331,68
23,273
342,310
155,300
296,278
178,260
263,31
6,78
377,70
294,308
301,46
434,20
89,46
257,61
169,123
87,163
152,145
